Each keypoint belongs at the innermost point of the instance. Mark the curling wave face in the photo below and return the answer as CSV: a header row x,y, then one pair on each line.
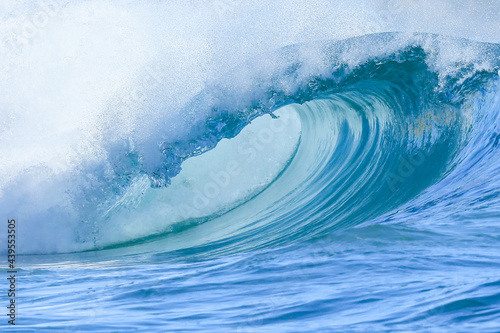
x,y
315,138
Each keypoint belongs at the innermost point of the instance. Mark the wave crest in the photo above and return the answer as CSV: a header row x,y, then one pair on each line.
x,y
382,118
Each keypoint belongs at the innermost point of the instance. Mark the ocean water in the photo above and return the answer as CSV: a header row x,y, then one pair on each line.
x,y
237,166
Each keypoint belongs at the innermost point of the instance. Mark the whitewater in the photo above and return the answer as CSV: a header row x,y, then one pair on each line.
x,y
237,166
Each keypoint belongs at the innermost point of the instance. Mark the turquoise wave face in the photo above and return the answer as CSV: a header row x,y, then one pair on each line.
x,y
371,141
357,130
